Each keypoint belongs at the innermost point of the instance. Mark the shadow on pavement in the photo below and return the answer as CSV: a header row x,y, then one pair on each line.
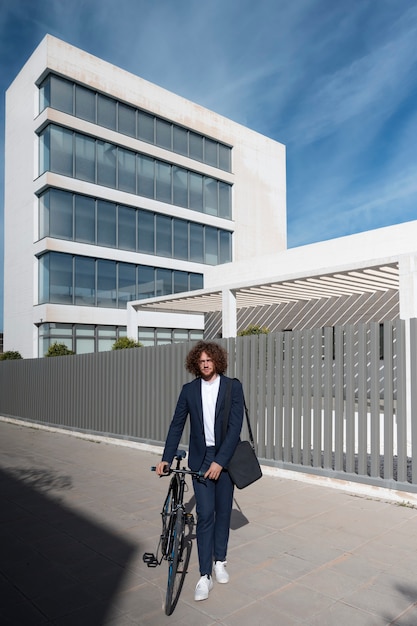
x,y
56,566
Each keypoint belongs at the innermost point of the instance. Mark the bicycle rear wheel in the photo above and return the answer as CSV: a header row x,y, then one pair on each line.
x,y
177,563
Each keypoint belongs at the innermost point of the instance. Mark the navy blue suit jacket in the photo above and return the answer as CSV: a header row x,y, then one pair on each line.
x,y
190,404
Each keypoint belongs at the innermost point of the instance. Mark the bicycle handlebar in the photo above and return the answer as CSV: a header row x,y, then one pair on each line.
x,y
172,470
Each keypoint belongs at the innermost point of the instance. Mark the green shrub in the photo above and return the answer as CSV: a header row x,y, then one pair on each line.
x,y
253,329
58,349
125,342
10,355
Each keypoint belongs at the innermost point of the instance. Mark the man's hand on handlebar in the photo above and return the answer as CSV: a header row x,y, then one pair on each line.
x,y
162,468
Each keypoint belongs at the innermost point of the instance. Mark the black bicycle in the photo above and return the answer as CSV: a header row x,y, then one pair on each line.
x,y
174,546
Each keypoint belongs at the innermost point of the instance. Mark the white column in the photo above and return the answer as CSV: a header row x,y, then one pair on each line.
x,y
229,313
131,322
407,266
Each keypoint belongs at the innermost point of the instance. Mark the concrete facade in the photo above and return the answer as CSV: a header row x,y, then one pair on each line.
x,y
257,178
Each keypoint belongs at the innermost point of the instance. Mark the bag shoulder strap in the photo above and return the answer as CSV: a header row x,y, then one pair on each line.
x,y
227,404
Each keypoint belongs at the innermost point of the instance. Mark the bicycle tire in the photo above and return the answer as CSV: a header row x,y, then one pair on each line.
x,y
168,517
177,565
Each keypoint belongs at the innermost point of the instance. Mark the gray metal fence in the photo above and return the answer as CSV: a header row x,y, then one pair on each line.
x,y
335,401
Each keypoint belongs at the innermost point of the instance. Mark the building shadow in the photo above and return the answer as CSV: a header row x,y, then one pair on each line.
x,y
56,565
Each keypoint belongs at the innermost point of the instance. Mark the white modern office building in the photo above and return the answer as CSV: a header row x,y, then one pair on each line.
x,y
132,211
117,191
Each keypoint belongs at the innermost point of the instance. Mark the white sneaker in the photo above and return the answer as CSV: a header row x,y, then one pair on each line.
x,y
220,572
204,585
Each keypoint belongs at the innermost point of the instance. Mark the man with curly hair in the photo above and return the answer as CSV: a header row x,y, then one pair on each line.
x,y
210,451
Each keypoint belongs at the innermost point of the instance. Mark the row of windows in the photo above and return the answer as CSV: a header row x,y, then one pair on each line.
x,y
65,215
66,152
72,279
69,97
164,336
86,338
80,338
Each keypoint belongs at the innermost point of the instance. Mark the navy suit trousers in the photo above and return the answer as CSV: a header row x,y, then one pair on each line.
x,y
214,500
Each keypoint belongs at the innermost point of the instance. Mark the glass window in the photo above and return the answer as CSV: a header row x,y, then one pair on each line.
x,y
126,172
45,94
106,336
225,247
62,94
61,151
196,243
60,278
163,181
61,214
127,119
84,345
179,186
106,223
211,205
180,239
85,281
45,151
180,140
126,228
43,269
211,245
146,130
195,146
210,152
180,281
106,164
196,335
225,154
85,104
106,111
196,282
127,284
106,283
225,200
44,215
163,134
163,235
85,219
146,336
163,336
163,281
146,175
179,335
196,191
85,166
146,282
146,232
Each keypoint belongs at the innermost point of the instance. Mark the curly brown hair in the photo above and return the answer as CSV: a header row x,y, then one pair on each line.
x,y
216,352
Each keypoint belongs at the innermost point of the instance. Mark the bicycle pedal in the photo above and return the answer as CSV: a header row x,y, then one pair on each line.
x,y
150,559
189,519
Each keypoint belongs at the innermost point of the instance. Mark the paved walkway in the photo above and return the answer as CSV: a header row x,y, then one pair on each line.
x,y
76,515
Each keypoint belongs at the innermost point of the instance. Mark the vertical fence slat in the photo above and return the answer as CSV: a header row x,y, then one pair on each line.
x,y
328,399
350,400
401,411
362,400
339,397
375,419
388,402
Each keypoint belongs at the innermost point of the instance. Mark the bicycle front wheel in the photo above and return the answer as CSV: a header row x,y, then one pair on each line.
x,y
177,564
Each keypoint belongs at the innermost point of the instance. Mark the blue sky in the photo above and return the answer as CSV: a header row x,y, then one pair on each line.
x,y
334,80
